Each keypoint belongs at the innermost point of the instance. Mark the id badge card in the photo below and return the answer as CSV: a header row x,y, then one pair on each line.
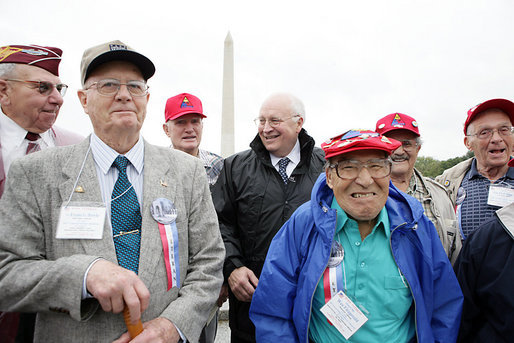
x,y
342,312
500,196
81,220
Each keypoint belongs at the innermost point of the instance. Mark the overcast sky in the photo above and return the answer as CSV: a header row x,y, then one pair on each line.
x,y
351,62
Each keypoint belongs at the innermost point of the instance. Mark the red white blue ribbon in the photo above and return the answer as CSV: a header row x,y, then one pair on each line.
x,y
169,238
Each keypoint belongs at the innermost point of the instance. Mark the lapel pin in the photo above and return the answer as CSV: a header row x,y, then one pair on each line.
x,y
79,189
164,183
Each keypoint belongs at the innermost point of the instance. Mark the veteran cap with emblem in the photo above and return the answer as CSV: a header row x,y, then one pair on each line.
x,y
114,51
45,57
358,140
182,104
501,104
397,121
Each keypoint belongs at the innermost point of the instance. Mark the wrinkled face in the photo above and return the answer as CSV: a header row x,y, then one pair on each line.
x,y
25,105
185,132
363,197
279,140
496,150
405,156
118,115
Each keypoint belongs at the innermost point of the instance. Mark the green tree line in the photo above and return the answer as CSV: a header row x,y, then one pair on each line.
x,y
431,167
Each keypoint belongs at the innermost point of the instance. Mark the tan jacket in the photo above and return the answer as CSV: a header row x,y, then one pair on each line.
x,y
452,178
446,222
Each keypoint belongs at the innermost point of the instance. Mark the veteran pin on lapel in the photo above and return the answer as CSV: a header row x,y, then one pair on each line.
x,y
79,189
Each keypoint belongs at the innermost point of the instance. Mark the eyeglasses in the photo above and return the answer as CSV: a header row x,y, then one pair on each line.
x,y
44,87
350,169
488,133
112,86
273,122
407,144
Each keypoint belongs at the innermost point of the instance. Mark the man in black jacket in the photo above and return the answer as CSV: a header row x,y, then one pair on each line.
x,y
485,272
256,193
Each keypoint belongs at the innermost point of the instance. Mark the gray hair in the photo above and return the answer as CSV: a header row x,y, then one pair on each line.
x,y
296,105
419,141
7,69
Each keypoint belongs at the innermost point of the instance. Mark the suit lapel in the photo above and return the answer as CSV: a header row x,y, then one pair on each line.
x,y
90,192
2,173
158,183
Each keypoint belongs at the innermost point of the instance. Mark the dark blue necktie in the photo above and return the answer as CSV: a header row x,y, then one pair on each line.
x,y
125,218
282,166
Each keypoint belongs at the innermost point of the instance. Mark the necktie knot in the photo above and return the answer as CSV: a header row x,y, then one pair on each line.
x,y
31,136
282,167
121,163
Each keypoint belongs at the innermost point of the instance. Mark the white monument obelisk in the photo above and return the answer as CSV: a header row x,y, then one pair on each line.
x,y
227,104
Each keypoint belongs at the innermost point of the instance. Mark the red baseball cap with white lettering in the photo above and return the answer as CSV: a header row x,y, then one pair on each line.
x,y
397,121
358,140
501,104
182,104
45,57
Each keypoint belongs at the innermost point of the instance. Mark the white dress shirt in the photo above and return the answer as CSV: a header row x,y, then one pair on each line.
x,y
294,158
13,141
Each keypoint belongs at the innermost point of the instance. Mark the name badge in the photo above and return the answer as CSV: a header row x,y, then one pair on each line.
x,y
81,220
344,314
500,196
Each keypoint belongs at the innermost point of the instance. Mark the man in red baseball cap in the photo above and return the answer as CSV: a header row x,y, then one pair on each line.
x,y
438,208
481,185
31,95
183,124
359,260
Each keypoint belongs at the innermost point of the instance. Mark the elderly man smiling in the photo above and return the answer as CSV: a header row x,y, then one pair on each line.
x,y
360,262
483,184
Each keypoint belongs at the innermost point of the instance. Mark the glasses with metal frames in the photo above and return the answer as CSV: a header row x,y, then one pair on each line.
x,y
503,131
112,86
44,87
273,122
350,169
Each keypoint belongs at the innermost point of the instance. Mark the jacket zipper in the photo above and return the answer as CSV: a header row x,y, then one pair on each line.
x,y
326,265
410,288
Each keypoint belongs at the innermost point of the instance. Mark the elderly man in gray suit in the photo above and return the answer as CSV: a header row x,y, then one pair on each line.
x,y
111,223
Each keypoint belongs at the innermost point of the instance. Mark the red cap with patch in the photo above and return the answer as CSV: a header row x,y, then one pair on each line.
x,y
502,104
397,121
182,104
45,57
358,140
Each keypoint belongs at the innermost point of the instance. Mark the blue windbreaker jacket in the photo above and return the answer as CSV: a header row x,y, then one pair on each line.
x,y
299,253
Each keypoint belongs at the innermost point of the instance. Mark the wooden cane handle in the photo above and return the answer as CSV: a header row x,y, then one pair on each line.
x,y
133,330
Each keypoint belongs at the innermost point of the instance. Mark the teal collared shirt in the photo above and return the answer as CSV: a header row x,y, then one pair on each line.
x,y
373,281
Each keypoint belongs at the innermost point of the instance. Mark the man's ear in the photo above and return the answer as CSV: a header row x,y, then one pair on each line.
x,y
165,128
299,124
82,94
467,142
4,94
329,174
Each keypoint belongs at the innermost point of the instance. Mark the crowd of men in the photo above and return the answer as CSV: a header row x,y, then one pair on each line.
x,y
344,243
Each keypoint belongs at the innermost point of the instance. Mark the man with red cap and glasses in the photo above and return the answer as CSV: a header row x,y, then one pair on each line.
x,y
183,124
31,95
483,184
438,208
360,262
485,270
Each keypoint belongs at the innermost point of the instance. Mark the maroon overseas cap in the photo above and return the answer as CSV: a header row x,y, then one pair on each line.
x,y
502,104
354,140
45,57
182,104
397,121
114,51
